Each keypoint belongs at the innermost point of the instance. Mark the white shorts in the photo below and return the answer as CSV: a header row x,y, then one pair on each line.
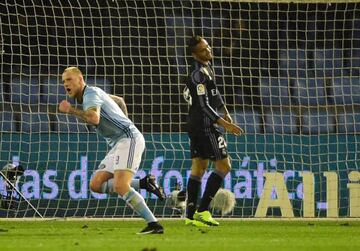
x,y
125,155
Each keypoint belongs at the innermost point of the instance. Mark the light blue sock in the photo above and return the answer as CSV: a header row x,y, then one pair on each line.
x,y
135,183
108,186
137,203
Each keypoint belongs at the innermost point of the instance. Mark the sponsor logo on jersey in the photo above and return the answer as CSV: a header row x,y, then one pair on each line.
x,y
214,92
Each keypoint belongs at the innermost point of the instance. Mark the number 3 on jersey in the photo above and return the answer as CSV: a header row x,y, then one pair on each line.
x,y
221,141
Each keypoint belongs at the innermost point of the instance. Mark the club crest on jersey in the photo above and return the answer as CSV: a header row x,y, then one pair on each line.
x,y
200,89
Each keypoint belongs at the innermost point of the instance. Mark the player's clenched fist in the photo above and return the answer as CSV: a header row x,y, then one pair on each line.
x,y
64,106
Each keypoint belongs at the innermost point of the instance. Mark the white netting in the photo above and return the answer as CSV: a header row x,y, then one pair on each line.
x,y
289,73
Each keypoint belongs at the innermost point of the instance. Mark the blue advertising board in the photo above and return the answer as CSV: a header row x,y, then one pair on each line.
x,y
59,167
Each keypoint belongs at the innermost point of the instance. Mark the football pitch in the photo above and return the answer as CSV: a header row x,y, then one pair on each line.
x,y
230,235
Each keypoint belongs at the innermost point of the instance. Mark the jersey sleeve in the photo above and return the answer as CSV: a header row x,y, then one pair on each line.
x,y
218,100
198,79
92,99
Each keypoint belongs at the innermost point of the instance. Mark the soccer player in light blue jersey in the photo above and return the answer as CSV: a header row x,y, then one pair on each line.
x,y
126,141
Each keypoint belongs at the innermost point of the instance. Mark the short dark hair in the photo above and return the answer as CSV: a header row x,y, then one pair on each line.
x,y
193,42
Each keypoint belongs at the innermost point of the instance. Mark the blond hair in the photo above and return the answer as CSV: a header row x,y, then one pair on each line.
x,y
73,69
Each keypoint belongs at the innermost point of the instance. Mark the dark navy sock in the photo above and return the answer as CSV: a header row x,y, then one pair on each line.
x,y
192,192
212,186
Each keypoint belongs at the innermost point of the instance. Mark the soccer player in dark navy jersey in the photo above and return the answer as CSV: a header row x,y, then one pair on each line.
x,y
206,141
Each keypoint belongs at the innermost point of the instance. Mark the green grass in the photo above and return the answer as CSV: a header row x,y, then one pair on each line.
x,y
229,236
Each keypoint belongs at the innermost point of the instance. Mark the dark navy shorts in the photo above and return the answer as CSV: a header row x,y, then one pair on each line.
x,y
209,146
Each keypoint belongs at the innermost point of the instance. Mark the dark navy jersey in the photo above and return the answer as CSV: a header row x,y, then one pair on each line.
x,y
204,99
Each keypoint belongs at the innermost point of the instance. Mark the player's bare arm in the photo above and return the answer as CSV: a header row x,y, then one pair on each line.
x,y
90,116
121,103
225,122
226,115
230,127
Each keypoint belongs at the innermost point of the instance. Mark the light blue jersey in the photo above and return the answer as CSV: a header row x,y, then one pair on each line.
x,y
114,125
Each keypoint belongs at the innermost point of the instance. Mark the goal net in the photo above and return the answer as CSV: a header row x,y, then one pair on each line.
x,y
288,71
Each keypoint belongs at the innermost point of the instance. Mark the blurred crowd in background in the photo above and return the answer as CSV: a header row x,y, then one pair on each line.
x,y
283,68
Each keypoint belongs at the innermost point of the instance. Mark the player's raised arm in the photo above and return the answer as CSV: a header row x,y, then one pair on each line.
x,y
74,86
90,116
121,103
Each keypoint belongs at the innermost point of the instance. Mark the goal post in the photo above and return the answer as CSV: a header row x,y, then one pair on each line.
x,y
288,71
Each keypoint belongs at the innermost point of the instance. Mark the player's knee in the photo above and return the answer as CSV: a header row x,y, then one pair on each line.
x,y
95,186
121,188
224,169
197,172
223,166
227,169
